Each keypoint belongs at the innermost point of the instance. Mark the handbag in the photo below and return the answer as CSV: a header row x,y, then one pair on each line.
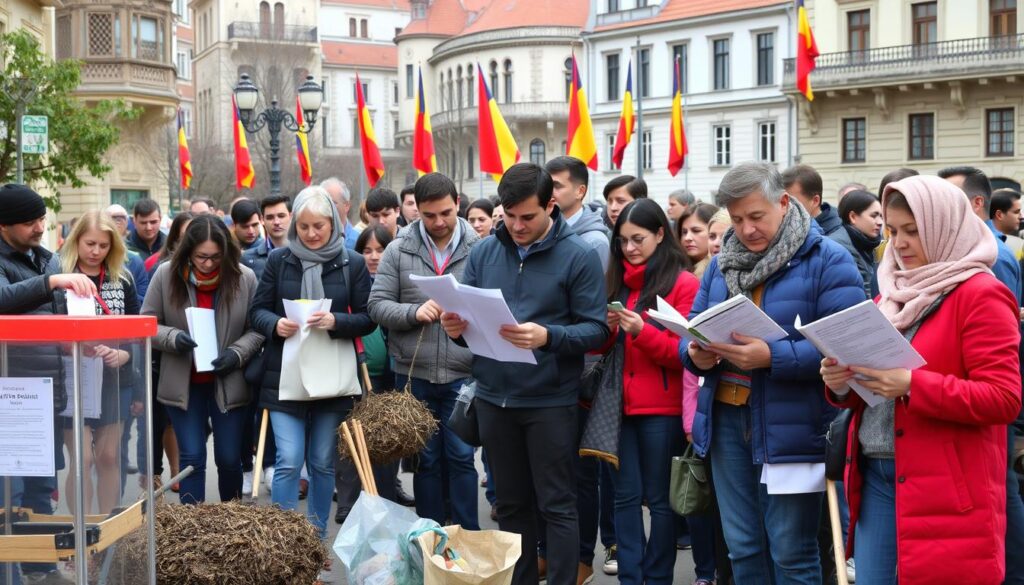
x,y
604,425
463,420
836,438
690,485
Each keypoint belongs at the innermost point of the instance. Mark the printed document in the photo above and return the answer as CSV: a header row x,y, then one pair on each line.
x,y
80,306
717,324
26,427
484,309
90,381
202,326
862,336
299,311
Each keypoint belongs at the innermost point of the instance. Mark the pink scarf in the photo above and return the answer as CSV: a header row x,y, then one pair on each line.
x,y
957,243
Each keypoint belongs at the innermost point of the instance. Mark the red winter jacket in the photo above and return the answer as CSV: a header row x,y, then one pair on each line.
x,y
950,438
652,383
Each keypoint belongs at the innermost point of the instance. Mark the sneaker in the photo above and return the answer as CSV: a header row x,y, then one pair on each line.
x,y
851,571
247,483
584,574
494,512
611,560
268,478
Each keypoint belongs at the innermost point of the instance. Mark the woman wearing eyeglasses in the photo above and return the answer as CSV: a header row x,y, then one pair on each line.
x,y
205,272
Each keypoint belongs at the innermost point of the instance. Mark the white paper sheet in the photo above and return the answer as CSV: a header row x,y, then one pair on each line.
x,y
202,326
717,324
91,383
484,309
299,311
79,306
793,478
26,427
862,336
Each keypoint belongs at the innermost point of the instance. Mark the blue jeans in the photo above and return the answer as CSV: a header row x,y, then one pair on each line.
x,y
457,456
765,533
1014,522
190,430
292,453
646,447
875,552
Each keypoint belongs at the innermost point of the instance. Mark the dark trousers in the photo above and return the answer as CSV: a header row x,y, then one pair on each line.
x,y
532,453
1014,522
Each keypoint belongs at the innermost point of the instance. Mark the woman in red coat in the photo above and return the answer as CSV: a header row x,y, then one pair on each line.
x,y
926,473
647,262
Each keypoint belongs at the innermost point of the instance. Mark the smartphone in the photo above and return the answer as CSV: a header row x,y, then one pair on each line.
x,y
616,306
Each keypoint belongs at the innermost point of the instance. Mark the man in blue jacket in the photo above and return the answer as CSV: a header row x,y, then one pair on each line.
x,y
553,282
761,410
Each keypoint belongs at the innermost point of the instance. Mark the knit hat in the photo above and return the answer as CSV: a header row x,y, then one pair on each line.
x,y
20,204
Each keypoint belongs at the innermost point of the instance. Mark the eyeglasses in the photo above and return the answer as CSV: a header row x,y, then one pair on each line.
x,y
637,241
199,258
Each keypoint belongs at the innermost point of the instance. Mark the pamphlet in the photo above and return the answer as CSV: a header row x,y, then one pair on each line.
x,y
719,323
202,326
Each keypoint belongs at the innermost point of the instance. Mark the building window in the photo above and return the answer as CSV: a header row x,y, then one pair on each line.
x,y
182,11
766,142
364,29
537,154
352,27
926,22
1002,18
101,34
610,141
508,81
366,92
999,132
567,75
469,162
611,72
644,72
410,82
721,63
458,88
419,10
470,87
723,145
265,20
394,92
279,20
922,136
680,55
186,119
147,39
355,130
858,30
613,5
855,132
647,152
766,58
183,62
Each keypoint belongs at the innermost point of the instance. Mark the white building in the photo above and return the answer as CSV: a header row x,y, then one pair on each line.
x,y
730,54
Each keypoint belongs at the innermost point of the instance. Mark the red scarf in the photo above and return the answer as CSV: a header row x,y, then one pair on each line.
x,y
633,275
204,282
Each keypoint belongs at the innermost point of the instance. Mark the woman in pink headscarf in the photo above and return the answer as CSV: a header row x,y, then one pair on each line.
x,y
926,473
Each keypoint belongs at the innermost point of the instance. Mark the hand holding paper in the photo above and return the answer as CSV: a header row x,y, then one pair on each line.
x,y
748,353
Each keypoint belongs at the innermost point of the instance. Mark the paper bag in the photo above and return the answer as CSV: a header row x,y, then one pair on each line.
x,y
490,557
314,366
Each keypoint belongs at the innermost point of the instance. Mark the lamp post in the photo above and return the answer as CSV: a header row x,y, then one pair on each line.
x,y
311,96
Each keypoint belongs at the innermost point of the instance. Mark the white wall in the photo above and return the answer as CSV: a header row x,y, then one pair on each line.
x,y
342,106
381,22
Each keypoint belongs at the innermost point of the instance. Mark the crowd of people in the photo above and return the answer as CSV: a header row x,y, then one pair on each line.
x,y
930,482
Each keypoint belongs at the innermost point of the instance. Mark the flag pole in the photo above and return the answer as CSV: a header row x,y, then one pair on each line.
x,y
686,161
639,112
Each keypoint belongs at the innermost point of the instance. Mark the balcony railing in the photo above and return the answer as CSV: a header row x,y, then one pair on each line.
x,y
989,55
514,112
265,31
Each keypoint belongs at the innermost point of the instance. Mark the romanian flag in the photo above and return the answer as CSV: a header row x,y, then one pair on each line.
x,y
498,150
581,143
423,159
677,149
245,174
372,162
806,52
184,158
302,145
627,121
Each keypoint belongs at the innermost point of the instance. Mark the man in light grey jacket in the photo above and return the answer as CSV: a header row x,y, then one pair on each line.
x,y
438,243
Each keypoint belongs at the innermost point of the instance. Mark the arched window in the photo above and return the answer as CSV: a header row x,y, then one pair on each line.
x,y
279,20
458,85
568,78
470,88
364,29
494,80
451,90
537,154
265,19
469,163
352,27
508,81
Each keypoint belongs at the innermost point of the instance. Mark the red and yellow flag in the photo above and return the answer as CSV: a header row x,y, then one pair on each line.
x,y
302,145
627,121
423,158
806,52
580,141
184,158
498,149
245,174
677,148
373,164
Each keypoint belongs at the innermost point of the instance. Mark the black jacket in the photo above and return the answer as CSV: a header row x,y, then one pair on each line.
x,y
282,279
256,257
135,244
25,290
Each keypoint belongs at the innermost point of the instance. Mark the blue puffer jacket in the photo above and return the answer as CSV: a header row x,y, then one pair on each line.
x,y
789,414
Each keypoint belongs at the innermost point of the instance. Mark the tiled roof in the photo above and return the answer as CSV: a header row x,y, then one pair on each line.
x,y
501,14
681,9
444,18
396,4
360,54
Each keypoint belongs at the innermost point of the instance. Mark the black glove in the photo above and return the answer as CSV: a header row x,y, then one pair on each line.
x,y
227,362
184,343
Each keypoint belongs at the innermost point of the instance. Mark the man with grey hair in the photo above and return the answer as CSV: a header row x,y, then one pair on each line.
x,y
762,409
342,199
854,186
678,201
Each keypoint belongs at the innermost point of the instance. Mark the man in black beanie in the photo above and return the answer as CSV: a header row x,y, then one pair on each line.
x,y
29,274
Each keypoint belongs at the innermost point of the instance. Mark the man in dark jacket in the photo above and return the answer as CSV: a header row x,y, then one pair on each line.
x,y
146,238
29,274
804,183
553,283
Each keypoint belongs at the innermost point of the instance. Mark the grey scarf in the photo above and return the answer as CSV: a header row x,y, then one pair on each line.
x,y
313,260
745,270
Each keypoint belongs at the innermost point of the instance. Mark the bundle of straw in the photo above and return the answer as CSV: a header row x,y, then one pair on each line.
x,y
356,442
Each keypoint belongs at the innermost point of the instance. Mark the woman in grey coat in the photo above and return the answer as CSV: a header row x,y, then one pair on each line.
x,y
205,272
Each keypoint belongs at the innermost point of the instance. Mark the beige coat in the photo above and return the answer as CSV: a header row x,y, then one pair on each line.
x,y
233,332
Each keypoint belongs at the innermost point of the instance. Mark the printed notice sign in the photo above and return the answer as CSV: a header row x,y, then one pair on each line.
x,y
26,427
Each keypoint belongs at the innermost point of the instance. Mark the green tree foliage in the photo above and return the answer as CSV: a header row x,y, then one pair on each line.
x,y
80,133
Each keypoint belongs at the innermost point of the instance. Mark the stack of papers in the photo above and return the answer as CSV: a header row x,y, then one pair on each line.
x,y
202,326
862,336
717,324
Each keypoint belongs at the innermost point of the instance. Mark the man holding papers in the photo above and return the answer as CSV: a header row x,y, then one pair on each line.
x,y
554,285
761,414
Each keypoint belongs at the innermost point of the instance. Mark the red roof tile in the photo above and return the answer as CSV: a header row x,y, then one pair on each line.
x,y
502,14
681,9
396,4
360,54
444,18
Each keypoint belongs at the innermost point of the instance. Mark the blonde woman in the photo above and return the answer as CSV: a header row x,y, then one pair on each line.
x,y
717,226
95,248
